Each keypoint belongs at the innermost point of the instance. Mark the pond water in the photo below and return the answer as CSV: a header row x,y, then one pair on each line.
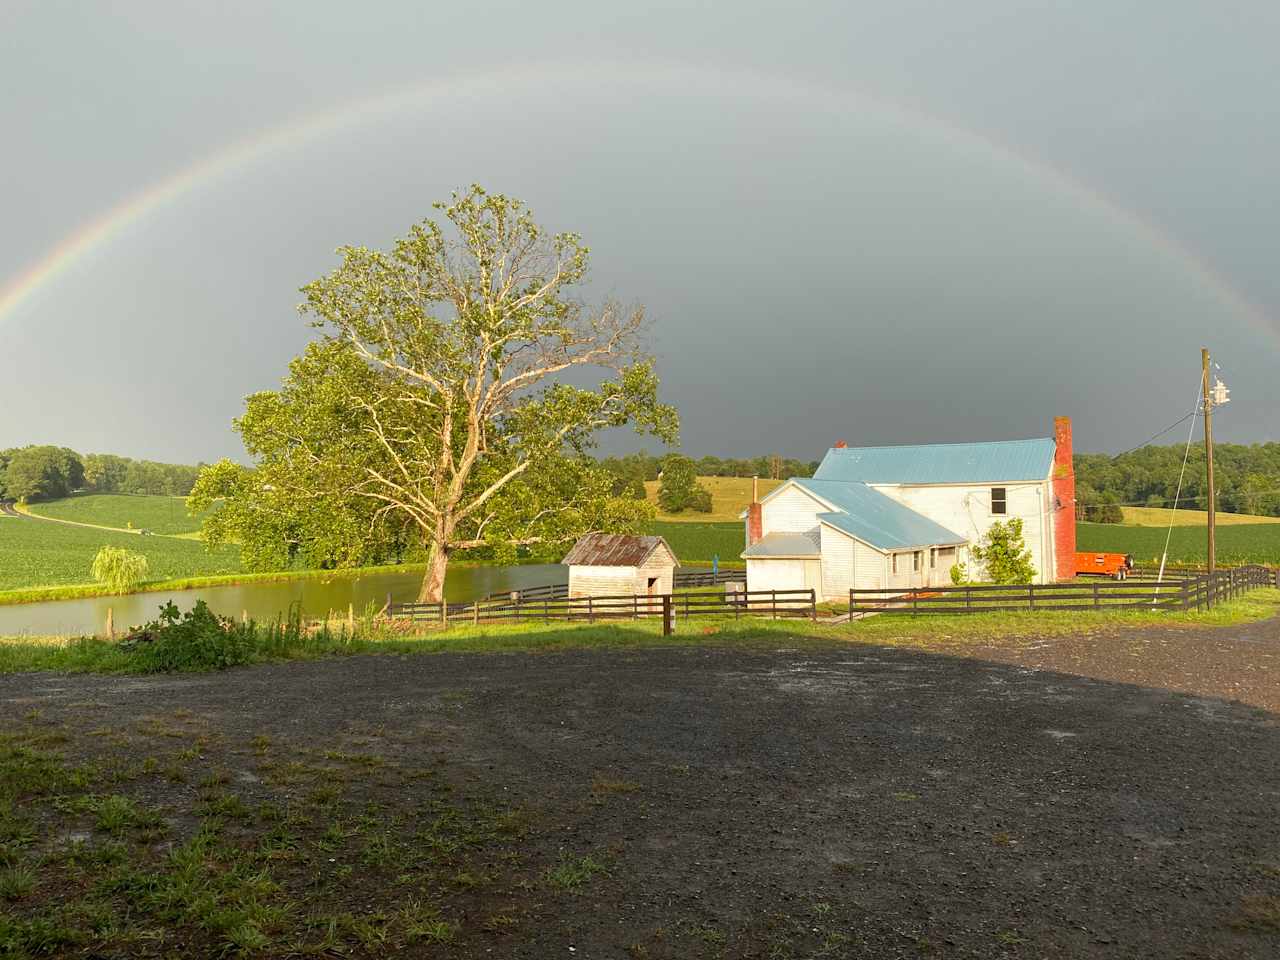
x,y
269,601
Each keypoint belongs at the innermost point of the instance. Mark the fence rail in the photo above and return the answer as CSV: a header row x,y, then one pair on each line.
x,y
1176,593
773,603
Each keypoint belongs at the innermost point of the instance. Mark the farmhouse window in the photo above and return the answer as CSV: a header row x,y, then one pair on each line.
x,y
999,501
915,561
895,562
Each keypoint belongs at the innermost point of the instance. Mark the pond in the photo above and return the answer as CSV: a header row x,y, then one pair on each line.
x,y
269,601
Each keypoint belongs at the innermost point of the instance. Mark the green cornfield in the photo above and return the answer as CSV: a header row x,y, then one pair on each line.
x,y
36,553
1243,543
699,542
162,515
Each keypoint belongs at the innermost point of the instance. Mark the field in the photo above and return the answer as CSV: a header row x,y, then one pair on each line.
x,y
1159,517
729,497
1238,543
699,542
160,515
35,553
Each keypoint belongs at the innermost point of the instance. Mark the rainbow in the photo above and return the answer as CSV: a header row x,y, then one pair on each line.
x,y
23,289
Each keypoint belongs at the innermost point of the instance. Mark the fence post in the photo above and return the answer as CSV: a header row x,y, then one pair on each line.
x,y
444,611
475,613
686,606
915,603
666,615
591,615
813,605
775,603
1186,599
1097,604
1031,596
968,599
851,606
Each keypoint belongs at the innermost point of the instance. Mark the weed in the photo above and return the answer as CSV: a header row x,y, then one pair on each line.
x,y
574,873
1258,914
16,881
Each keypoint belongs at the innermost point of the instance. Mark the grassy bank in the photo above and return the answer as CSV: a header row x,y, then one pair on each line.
x,y
268,644
729,497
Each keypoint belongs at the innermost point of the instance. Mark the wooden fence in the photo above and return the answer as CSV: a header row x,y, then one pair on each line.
x,y
769,603
1182,593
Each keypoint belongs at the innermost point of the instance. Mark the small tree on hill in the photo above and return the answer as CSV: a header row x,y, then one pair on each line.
x,y
119,570
1004,555
678,487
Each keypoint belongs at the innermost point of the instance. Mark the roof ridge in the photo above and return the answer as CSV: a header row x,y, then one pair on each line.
x,y
954,443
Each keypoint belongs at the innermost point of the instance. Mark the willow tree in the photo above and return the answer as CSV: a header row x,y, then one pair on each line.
x,y
445,396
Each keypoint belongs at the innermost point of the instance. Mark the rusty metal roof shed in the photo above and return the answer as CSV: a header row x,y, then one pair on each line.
x,y
615,550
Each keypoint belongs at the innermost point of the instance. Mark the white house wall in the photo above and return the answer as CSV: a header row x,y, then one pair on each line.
x,y
837,563
868,567
585,581
791,510
967,511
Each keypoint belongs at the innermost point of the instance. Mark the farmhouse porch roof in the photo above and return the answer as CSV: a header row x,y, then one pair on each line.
x,y
875,518
615,550
782,545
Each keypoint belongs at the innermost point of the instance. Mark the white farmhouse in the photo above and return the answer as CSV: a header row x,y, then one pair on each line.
x,y
901,516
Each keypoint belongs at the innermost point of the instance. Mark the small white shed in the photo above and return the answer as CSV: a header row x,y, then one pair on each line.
x,y
613,564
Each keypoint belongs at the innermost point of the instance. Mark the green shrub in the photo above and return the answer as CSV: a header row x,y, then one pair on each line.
x,y
1004,554
196,640
959,574
119,570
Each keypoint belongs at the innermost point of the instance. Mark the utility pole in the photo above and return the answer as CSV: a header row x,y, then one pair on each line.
x,y
1208,450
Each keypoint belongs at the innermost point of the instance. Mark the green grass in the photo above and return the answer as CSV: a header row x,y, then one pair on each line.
x,y
1242,543
34,553
699,542
160,515
729,497
941,632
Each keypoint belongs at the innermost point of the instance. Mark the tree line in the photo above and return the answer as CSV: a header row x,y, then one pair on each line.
x,y
44,472
1247,477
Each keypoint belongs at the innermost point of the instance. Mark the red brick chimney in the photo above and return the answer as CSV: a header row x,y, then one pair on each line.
x,y
840,444
1064,495
755,514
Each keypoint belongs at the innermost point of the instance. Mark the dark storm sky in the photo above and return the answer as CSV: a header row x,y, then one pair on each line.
x,y
884,222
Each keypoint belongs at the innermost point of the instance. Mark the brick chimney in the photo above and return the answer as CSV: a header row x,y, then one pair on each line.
x,y
840,444
755,514
1064,505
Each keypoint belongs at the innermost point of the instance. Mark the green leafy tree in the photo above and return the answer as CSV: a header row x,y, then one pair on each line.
x,y
678,487
1004,555
119,570
43,473
434,407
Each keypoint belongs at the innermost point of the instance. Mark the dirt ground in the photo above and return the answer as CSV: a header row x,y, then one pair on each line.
x,y
1079,796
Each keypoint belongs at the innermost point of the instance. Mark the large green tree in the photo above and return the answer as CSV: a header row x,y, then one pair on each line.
x,y
444,402
42,472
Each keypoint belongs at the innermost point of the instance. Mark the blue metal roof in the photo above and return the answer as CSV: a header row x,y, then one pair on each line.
x,y
875,518
783,545
1001,460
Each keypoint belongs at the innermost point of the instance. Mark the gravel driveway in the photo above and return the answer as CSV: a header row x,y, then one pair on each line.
x,y
849,801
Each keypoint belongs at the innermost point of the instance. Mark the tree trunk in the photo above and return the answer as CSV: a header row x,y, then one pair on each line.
x,y
433,582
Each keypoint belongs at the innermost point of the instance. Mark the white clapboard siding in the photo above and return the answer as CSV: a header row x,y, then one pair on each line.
x,y
661,565
587,581
966,510
837,563
792,510
868,567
